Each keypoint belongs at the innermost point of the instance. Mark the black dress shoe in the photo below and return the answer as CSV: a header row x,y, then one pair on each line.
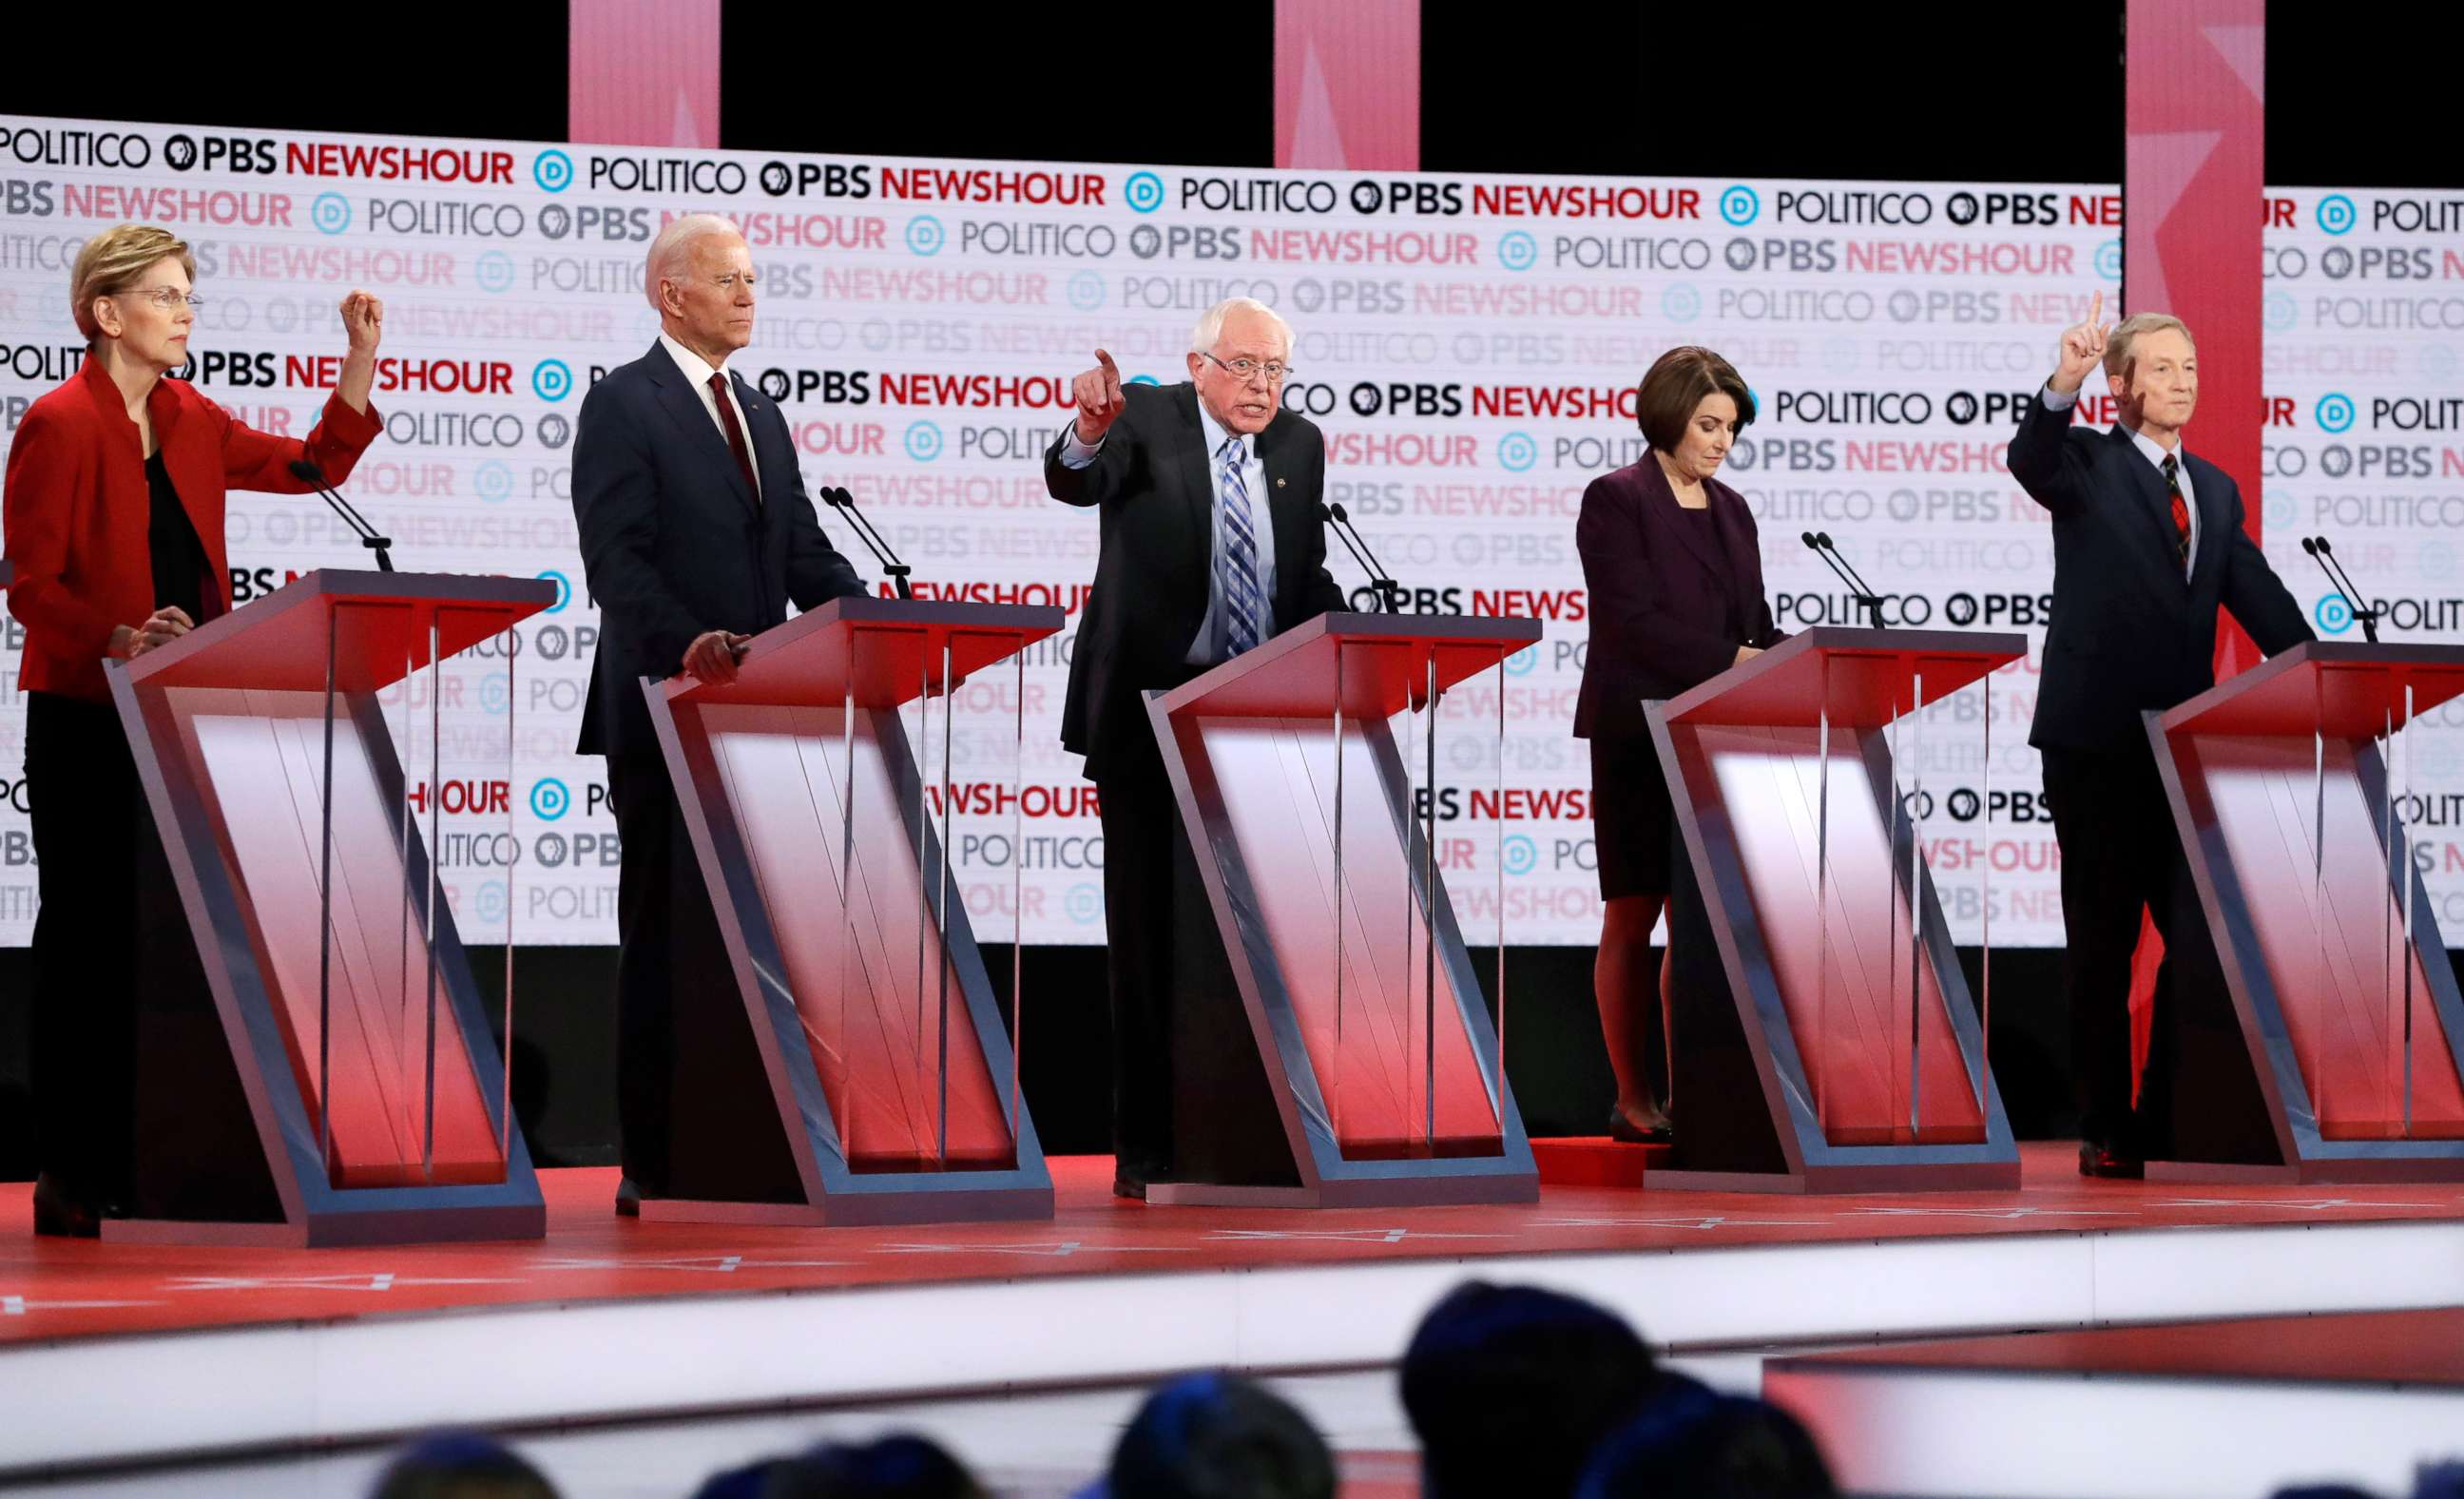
x,y
59,1215
2107,1160
1127,1185
629,1199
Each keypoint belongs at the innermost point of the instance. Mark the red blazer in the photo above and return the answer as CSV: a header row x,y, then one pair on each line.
x,y
1670,601
76,508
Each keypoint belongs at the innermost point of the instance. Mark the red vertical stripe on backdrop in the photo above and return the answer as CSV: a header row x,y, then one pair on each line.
x,y
1348,85
2193,201
644,73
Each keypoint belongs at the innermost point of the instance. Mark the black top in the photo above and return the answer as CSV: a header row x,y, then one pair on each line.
x,y
180,561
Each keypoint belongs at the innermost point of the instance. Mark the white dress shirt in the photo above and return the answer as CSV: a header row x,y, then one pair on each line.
x,y
697,373
1208,646
2156,452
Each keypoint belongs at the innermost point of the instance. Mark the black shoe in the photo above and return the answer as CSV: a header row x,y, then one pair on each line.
x,y
59,1216
2107,1160
629,1199
1127,1185
1626,1131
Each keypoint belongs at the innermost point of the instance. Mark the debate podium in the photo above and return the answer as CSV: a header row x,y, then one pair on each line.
x,y
823,838
1331,1044
1822,1038
2315,1021
315,1064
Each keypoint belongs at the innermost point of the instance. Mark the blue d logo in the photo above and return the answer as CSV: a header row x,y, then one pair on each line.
x,y
553,170
1741,205
1143,191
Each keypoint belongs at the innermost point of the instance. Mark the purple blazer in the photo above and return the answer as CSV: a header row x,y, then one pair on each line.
x,y
1671,598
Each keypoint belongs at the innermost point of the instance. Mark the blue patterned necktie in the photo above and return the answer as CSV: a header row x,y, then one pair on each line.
x,y
1244,611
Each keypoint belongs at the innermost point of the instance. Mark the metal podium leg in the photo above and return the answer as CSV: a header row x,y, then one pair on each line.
x,y
1985,918
1429,921
1335,1103
1821,1057
1916,919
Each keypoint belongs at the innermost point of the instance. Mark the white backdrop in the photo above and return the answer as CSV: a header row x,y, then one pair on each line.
x,y
1469,344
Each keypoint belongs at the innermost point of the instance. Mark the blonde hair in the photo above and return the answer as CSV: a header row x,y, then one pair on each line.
x,y
113,261
2126,334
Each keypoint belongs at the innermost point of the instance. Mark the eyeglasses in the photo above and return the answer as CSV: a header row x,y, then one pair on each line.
x,y
166,298
1245,369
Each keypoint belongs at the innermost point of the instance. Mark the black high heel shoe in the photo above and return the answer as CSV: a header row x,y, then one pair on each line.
x,y
1627,1132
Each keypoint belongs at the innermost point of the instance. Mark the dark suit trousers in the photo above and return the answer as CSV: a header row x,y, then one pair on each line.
x,y
2120,855
88,813
1141,830
694,1107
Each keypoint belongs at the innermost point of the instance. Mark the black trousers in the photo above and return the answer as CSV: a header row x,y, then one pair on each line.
x,y
694,1107
1141,831
2119,855
88,814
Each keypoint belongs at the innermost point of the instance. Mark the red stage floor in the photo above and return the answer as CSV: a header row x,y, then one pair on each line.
x,y
610,1319
53,1288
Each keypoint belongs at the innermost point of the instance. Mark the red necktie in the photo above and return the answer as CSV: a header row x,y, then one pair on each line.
x,y
744,458
2181,513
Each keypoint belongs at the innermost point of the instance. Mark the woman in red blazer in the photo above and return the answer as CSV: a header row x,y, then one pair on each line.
x,y
114,519
1676,584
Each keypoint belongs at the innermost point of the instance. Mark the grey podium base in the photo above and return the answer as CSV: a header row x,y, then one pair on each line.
x,y
861,1209
2314,1172
1401,1192
1990,1176
330,1230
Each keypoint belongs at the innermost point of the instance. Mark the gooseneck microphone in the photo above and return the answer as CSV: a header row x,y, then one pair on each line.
x,y
892,567
306,471
1326,519
2322,552
1389,593
1821,544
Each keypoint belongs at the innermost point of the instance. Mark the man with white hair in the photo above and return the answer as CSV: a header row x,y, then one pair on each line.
x,y
696,536
1211,545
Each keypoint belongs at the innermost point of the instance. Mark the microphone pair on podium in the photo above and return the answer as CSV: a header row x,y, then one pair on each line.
x,y
1820,542
306,471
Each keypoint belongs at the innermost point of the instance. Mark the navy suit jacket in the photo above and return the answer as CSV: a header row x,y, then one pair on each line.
x,y
2129,632
1671,600
674,543
1155,486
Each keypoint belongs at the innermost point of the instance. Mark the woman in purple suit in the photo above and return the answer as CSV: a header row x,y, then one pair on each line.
x,y
1675,582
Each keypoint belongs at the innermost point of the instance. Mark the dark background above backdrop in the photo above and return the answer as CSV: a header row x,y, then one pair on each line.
x,y
1927,92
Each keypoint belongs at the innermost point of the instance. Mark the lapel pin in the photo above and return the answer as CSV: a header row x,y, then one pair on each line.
x,y
1279,484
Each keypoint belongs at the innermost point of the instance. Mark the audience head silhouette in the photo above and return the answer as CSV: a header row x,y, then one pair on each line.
x,y
1511,1388
461,1465
1693,1442
1218,1436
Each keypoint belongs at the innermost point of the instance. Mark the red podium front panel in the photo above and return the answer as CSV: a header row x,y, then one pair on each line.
x,y
2287,784
1833,1045
1315,852
823,824
359,1045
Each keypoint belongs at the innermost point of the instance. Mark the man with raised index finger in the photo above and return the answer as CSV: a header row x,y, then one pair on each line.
x,y
2148,542
1211,545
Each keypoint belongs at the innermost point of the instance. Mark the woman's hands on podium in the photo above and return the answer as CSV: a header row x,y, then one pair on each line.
x,y
163,626
1098,393
2082,348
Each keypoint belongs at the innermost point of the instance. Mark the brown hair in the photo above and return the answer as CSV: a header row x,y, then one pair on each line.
x,y
112,262
1676,384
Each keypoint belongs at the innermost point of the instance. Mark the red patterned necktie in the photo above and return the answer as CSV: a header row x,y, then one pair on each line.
x,y
2181,513
744,457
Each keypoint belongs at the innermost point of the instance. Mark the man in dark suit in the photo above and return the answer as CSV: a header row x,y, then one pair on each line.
x,y
1211,545
2147,542
696,536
